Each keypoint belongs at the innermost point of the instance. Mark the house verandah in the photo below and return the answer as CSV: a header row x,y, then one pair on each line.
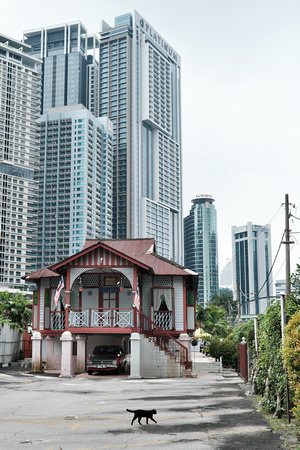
x,y
95,307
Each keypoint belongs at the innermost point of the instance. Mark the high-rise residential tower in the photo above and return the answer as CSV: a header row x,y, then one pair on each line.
x,y
70,65
139,82
252,260
75,182
20,104
201,246
75,170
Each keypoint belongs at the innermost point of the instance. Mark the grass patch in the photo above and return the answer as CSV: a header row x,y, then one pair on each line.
x,y
289,432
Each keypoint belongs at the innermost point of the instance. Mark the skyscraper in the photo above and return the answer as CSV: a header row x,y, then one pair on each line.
x,y
252,280
201,246
20,103
70,65
75,182
139,81
75,171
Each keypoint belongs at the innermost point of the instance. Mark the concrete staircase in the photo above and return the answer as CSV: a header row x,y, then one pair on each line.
x,y
156,363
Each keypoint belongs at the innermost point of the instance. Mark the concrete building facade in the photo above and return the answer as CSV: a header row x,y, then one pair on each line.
x,y
70,65
252,260
20,104
75,182
201,246
139,82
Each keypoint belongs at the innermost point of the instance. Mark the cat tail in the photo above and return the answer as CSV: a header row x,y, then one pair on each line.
x,y
129,410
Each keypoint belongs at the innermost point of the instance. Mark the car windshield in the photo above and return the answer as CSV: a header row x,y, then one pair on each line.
x,y
106,351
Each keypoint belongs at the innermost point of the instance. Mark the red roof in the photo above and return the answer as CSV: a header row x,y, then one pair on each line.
x,y
140,251
41,273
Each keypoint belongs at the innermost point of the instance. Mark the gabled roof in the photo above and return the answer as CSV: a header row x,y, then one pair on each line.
x,y
41,273
140,251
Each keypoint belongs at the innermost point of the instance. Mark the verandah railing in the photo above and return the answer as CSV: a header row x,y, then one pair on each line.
x,y
93,318
164,340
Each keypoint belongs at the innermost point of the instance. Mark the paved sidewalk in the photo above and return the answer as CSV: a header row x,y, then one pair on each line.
x,y
204,366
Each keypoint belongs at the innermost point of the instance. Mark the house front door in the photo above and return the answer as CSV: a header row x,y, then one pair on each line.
x,y
110,302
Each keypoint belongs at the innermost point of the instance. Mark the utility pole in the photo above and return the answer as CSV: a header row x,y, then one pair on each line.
x,y
287,248
229,313
238,300
287,291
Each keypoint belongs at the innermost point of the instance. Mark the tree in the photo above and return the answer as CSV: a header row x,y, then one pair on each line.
x,y
200,314
216,323
225,300
14,309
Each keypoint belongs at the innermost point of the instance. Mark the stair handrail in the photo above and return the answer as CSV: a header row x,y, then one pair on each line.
x,y
150,333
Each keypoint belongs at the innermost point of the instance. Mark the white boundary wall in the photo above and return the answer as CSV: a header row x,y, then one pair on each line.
x,y
10,343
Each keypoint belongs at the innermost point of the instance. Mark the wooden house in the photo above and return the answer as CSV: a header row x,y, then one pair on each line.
x,y
111,291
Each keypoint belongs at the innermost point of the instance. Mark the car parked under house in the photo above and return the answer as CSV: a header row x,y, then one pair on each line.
x,y
101,284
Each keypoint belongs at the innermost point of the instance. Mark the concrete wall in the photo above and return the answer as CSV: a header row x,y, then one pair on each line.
x,y
10,343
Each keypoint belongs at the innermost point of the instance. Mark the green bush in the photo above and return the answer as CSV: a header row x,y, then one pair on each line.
x,y
228,350
214,348
291,357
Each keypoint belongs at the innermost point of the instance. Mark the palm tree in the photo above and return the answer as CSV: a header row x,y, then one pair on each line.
x,y
216,323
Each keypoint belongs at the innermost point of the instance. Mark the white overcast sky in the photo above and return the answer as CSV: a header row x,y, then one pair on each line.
x,y
240,98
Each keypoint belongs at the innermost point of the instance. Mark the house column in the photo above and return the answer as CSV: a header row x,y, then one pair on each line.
x,y
135,357
50,352
66,354
81,353
36,352
185,340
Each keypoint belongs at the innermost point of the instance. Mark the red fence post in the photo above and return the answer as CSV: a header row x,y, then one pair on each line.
x,y
243,359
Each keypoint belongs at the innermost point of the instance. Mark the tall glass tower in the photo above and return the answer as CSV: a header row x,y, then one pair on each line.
x,y
20,104
252,280
70,65
75,182
201,246
139,85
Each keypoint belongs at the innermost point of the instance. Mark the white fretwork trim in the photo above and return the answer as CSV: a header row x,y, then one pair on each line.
x,y
128,272
75,273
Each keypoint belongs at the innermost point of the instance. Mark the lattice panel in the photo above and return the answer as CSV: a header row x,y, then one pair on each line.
x,y
57,321
90,280
54,282
163,320
163,280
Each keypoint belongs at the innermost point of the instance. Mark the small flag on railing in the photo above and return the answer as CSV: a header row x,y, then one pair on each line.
x,y
136,299
60,286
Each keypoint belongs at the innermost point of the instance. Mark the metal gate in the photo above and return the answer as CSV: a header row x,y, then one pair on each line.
x,y
27,344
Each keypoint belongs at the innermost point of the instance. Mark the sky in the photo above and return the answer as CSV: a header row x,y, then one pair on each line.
x,y
240,100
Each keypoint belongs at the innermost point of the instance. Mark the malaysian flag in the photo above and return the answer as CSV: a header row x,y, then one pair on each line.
x,y
58,290
136,299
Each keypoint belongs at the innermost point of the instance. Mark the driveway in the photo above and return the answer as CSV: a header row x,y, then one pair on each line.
x,y
89,412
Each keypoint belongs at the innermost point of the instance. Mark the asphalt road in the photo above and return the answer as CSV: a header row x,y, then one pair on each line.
x,y
89,413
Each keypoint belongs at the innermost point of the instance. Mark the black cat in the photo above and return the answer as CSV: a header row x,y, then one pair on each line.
x,y
139,413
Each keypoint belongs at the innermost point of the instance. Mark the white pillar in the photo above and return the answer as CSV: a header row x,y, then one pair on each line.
x,y
185,340
81,353
135,356
50,352
66,354
37,352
